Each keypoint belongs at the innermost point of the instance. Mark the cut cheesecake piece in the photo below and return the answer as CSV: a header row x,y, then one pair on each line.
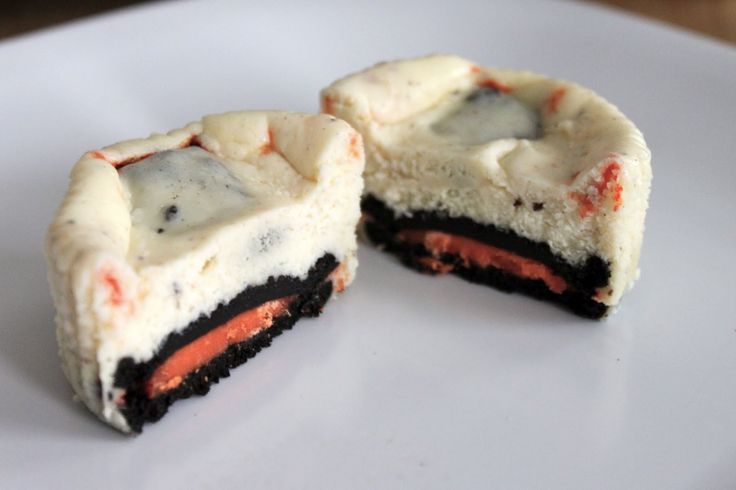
x,y
506,178
175,258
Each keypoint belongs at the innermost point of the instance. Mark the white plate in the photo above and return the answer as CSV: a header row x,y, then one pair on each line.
x,y
406,381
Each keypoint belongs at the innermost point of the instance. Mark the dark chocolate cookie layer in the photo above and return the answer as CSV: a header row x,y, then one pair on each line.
x,y
381,226
311,295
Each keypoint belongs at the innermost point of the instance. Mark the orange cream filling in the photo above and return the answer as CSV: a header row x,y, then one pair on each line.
x,y
198,353
210,345
473,252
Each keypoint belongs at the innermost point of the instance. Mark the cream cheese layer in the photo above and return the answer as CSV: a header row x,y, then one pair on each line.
x,y
179,198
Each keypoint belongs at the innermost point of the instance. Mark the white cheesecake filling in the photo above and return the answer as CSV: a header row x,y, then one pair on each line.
x,y
176,193
181,197
269,195
579,181
483,116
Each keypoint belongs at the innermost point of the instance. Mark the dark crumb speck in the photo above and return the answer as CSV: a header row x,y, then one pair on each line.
x,y
160,230
538,206
171,212
518,203
71,222
478,95
109,395
177,288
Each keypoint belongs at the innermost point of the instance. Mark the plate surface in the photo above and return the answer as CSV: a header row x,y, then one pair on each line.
x,y
405,381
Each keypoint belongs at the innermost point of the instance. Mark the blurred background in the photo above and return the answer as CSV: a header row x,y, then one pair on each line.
x,y
715,18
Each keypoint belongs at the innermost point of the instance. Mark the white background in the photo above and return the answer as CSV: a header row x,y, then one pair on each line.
x,y
405,381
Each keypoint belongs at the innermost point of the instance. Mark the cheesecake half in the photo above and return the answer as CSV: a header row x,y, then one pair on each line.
x,y
506,178
173,259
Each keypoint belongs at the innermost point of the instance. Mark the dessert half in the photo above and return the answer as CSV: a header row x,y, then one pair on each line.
x,y
506,178
175,258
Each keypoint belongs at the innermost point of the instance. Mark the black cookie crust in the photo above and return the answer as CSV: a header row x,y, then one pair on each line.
x,y
381,226
311,295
